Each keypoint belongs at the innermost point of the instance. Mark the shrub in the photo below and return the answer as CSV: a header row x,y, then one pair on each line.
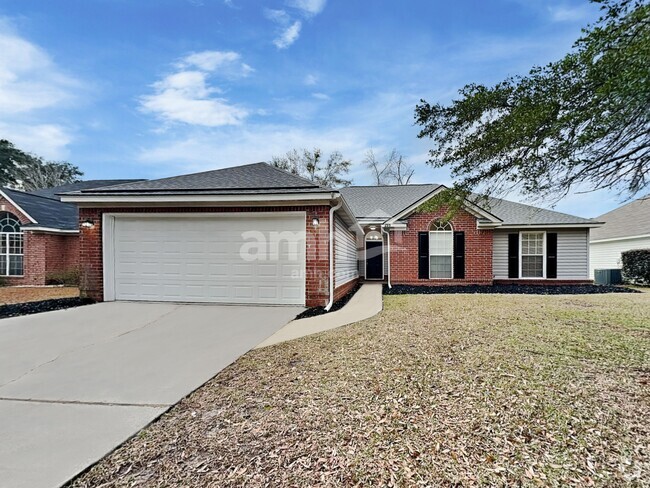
x,y
69,277
636,266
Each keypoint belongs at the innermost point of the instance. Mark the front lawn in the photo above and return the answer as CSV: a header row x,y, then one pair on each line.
x,y
447,390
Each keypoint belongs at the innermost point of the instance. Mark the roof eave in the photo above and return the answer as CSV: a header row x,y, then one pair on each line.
x,y
194,198
583,225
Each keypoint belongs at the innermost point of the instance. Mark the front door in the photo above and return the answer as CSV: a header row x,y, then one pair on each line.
x,y
374,260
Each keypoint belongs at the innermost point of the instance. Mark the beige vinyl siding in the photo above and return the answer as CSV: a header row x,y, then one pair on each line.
x,y
607,255
345,253
572,253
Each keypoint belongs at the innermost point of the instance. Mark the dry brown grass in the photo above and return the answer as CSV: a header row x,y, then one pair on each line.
x,y
25,294
454,390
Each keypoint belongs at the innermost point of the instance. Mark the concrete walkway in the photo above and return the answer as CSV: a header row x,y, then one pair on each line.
x,y
365,303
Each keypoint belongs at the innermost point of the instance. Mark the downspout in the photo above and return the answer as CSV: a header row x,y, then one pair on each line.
x,y
330,302
383,231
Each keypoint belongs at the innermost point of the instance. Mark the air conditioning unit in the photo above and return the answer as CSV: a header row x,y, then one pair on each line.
x,y
608,277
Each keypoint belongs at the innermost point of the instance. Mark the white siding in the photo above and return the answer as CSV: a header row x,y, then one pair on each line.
x,y
607,255
572,253
345,253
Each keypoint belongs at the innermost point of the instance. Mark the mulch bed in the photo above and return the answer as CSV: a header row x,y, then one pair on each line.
x,y
314,311
508,289
16,309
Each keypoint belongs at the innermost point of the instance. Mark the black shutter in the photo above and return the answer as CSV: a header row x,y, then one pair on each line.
x,y
459,255
551,254
423,255
513,255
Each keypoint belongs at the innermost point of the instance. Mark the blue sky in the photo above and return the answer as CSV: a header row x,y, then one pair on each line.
x,y
128,88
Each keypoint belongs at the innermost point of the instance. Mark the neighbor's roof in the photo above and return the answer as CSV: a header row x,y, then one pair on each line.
x,y
632,219
383,202
78,185
249,178
48,210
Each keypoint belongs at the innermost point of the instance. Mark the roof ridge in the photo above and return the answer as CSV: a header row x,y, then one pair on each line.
x,y
637,200
393,186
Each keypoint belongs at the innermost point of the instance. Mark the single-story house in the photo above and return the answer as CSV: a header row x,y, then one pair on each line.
x,y
39,234
257,234
624,229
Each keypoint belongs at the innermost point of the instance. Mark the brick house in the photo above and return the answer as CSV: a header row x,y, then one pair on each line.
x,y
39,234
255,234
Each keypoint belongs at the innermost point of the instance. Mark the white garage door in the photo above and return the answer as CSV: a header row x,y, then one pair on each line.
x,y
222,258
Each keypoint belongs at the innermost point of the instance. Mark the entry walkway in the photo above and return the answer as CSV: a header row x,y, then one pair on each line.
x,y
365,303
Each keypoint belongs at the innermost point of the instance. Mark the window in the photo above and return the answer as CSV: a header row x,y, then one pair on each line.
x,y
11,245
441,248
532,254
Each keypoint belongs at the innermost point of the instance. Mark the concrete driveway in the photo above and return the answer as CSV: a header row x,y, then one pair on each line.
x,y
76,383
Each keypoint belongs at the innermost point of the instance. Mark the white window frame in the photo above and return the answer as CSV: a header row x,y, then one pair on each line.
x,y
521,238
4,236
451,232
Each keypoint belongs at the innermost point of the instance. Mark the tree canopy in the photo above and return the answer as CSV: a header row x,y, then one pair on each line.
x,y
580,123
25,171
312,165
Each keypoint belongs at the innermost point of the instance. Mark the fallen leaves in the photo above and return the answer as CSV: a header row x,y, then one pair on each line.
x,y
451,390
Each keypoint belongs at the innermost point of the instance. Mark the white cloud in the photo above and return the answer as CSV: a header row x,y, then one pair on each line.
x,y
320,96
577,13
186,96
308,7
29,79
311,80
49,141
288,36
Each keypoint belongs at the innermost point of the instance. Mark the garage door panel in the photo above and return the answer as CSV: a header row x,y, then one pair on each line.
x,y
200,259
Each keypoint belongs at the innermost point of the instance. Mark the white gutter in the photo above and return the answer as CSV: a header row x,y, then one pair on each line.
x,y
50,230
383,231
241,197
332,243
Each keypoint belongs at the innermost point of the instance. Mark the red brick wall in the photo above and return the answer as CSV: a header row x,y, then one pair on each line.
x,y
404,250
43,253
317,272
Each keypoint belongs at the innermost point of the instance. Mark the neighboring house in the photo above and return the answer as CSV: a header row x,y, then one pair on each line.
x,y
626,228
257,234
39,234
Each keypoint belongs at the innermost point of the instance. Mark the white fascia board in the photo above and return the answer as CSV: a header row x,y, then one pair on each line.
x,y
50,230
614,239
6,197
550,226
356,226
250,198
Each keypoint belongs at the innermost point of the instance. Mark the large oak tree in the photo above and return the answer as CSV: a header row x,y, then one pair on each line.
x,y
582,122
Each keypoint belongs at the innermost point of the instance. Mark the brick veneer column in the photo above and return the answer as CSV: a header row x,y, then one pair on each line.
x,y
317,243
404,250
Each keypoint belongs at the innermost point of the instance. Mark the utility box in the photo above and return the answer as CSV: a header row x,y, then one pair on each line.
x,y
608,277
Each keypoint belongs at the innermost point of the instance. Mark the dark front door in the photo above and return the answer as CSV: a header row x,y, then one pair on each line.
x,y
374,260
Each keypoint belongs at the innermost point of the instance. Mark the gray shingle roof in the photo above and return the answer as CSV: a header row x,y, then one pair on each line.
x,y
383,202
78,185
48,212
513,213
632,219
252,178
